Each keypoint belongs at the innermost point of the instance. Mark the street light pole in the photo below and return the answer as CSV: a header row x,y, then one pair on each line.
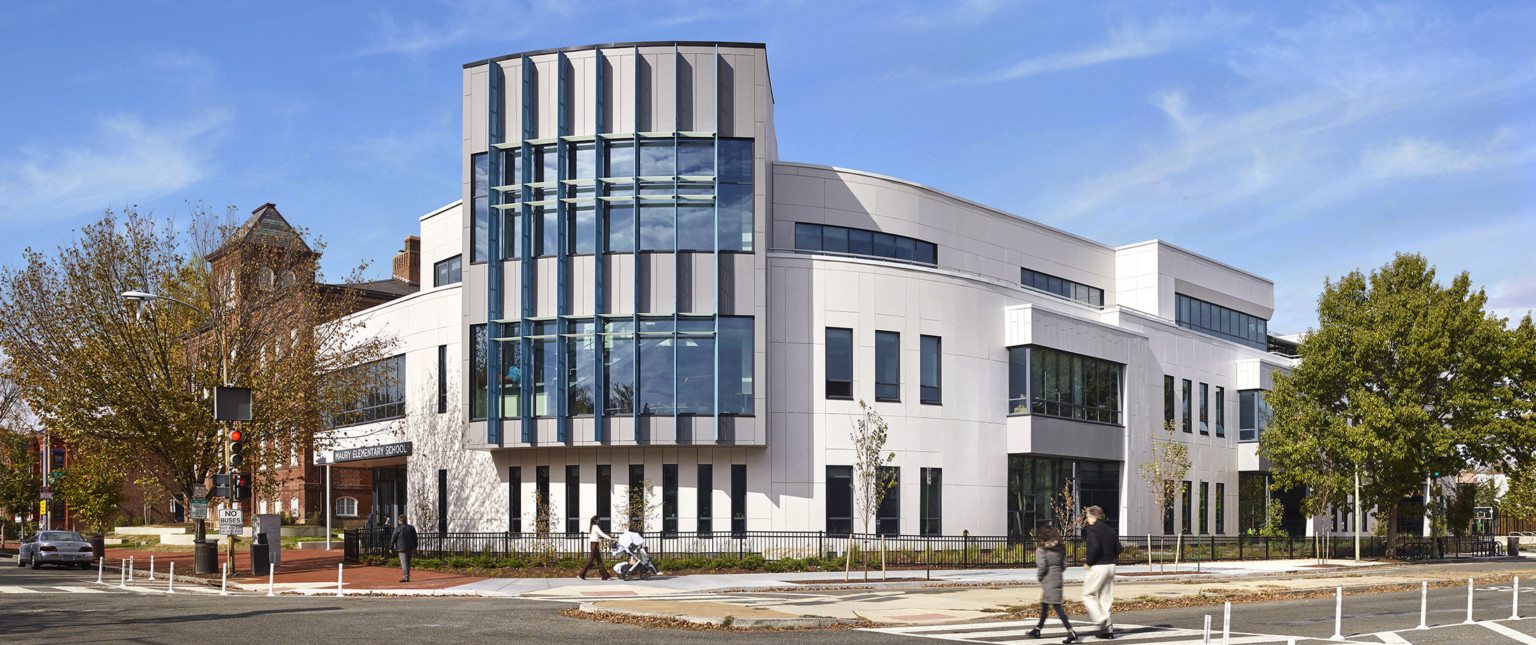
x,y
144,298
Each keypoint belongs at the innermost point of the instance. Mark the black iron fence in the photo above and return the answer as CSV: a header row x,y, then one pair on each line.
x,y
908,551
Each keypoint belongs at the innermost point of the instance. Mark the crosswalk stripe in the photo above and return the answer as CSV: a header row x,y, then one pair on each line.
x,y
1391,638
1509,633
1006,629
80,589
14,590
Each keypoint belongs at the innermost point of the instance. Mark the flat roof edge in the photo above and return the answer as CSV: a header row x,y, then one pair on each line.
x,y
654,43
1224,265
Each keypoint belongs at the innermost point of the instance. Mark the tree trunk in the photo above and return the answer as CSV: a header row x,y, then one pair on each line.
x,y
1391,531
848,556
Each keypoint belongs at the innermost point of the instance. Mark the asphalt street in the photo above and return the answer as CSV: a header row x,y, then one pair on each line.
x,y
67,606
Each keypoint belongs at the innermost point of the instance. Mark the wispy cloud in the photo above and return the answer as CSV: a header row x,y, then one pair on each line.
x,y
1128,39
463,21
1417,157
925,16
126,161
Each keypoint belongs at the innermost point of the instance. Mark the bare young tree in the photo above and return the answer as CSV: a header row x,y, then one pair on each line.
x,y
872,479
1165,469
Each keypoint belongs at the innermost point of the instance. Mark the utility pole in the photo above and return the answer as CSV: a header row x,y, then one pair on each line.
x,y
1357,515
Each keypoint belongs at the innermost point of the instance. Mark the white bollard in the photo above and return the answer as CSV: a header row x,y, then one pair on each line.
x,y
1514,608
151,568
271,576
122,574
1424,606
99,565
1226,624
170,580
224,580
1469,620
130,568
1338,614
339,565
1207,640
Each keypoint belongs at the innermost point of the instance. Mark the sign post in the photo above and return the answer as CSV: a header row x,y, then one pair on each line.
x,y
231,521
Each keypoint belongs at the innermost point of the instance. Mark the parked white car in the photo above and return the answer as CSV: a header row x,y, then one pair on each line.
x,y
63,548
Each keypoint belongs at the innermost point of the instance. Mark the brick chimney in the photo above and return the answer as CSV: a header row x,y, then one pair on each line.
x,y
408,261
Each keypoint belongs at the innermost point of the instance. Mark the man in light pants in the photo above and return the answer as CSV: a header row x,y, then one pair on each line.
x,y
1099,587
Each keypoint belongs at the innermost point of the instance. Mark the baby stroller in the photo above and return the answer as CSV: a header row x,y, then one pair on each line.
x,y
637,561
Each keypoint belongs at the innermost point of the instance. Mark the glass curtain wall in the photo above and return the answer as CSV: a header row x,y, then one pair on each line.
x,y
1059,384
1035,482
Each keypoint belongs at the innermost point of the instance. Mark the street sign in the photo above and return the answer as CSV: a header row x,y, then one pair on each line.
x,y
1483,512
46,494
199,491
230,521
199,509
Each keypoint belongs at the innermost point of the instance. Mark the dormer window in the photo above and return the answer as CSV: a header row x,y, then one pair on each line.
x,y
287,279
264,279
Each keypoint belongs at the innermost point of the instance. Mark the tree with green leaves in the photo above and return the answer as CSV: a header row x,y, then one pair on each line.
x,y
92,486
1402,378
132,380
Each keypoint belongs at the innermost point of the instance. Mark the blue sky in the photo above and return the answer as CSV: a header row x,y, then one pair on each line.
x,y
1296,140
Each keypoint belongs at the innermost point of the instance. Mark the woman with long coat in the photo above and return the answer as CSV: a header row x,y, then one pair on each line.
x,y
1050,562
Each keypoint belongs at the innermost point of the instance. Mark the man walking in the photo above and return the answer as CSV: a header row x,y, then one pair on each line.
x,y
404,542
1099,587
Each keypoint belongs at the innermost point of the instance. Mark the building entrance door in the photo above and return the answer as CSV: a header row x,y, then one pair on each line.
x,y
389,494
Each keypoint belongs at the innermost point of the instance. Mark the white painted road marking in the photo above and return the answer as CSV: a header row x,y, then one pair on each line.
x,y
1509,633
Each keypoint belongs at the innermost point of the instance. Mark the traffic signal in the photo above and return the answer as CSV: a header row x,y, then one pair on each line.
x,y
242,485
236,449
221,485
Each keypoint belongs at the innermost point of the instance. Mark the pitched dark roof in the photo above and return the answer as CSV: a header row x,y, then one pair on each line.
x,y
266,227
394,287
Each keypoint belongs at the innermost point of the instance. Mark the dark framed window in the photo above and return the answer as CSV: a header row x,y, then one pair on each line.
x,y
1221,322
1205,508
839,500
1168,398
480,198
580,366
1168,526
383,397
669,499
839,363
1205,408
705,489
573,522
515,499
638,497
738,499
1065,385
888,515
1252,415
442,379
1189,411
1221,507
1188,498
887,366
541,502
852,241
1221,411
605,497
931,370
1065,288
442,501
932,501
449,271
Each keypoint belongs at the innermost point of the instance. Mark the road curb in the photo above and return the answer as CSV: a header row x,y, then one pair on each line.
x,y
771,623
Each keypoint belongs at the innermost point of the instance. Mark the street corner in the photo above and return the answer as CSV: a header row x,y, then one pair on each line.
x,y
705,613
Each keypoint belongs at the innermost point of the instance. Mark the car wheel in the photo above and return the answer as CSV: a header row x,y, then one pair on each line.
x,y
20,562
36,564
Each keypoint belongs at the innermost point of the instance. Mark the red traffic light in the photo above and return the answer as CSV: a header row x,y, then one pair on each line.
x,y
235,435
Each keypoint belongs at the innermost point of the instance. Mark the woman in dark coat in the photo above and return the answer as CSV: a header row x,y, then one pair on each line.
x,y
1050,562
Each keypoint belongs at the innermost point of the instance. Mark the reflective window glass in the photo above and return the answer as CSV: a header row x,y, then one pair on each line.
x,y
887,366
735,203
511,233
696,158
581,160
481,209
580,362
658,158
621,159
930,369
807,237
621,227
478,387
658,228
511,376
546,232
694,224
861,242
834,239
656,367
511,167
885,245
839,363
619,367
695,373
582,228
736,365
736,160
